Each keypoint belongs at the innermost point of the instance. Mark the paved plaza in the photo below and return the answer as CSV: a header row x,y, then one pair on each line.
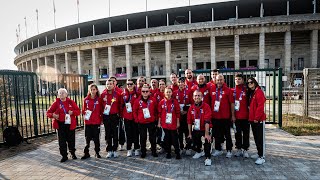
x,y
287,157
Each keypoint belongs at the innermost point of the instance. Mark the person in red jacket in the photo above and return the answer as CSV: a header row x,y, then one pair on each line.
x,y
174,82
190,81
91,111
111,105
159,95
183,96
154,87
214,73
241,113
145,113
131,127
223,115
169,114
257,116
63,112
199,114
204,88
140,82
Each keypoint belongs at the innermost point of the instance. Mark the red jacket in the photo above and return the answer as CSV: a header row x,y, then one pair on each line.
x,y
211,83
138,113
153,91
57,108
204,112
243,112
138,91
174,87
127,97
169,106
158,95
225,102
206,90
88,104
107,98
119,90
189,84
256,110
183,97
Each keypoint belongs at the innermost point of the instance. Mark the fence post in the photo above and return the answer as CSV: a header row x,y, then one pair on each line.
x,y
274,95
305,91
34,108
280,98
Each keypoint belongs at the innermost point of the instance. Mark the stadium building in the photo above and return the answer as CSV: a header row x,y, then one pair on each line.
x,y
228,35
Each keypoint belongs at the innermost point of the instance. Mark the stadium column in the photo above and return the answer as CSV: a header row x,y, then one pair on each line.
x,y
314,48
110,58
190,54
27,66
213,51
236,52
168,60
56,70
31,66
147,61
95,66
67,58
38,65
45,64
128,60
79,59
287,51
261,50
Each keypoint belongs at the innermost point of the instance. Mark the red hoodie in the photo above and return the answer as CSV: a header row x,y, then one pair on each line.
x,y
243,112
57,108
256,110
153,91
169,106
225,102
174,87
95,106
183,96
189,84
139,104
158,95
113,99
126,97
206,90
203,112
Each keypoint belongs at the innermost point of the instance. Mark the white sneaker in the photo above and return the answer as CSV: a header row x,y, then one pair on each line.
x,y
217,153
222,146
129,153
202,153
245,154
238,153
188,152
207,162
115,154
109,155
229,154
260,161
196,155
137,152
254,156
121,147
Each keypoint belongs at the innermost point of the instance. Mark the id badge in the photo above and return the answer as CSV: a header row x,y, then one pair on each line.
x,y
237,105
181,107
87,115
197,124
67,119
146,113
129,107
216,106
169,118
107,110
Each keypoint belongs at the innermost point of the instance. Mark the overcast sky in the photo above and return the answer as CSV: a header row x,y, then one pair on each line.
x,y
13,12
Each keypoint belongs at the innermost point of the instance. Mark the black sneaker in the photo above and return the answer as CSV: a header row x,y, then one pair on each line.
x,y
73,155
154,154
178,156
143,155
168,156
98,155
64,159
86,155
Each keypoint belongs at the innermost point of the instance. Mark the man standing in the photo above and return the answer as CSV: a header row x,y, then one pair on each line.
x,y
154,87
140,82
190,81
203,87
214,73
174,82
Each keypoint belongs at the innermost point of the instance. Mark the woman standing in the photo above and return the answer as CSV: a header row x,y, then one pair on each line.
x,y
257,116
92,111
63,112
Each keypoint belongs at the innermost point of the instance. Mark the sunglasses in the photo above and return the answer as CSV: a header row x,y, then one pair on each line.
x,y
250,82
129,84
144,91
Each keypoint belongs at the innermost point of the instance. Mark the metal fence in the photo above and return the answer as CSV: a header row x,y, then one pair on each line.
x,y
25,97
270,81
311,100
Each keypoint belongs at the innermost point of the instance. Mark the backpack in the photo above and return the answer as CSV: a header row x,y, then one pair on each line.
x,y
12,136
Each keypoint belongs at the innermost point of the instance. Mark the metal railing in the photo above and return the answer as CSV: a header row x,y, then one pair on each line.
x,y
25,98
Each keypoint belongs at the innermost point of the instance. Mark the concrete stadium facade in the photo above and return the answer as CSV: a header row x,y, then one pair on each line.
x,y
235,35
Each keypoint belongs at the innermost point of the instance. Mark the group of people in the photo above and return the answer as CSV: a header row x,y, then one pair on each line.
x,y
177,115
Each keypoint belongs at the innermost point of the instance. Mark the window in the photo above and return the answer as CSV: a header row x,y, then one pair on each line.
x,y
266,63
118,70
220,65
208,65
179,67
199,65
230,64
243,63
253,63
277,63
300,63
134,71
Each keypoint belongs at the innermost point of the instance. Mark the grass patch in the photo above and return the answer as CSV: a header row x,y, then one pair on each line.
x,y
300,126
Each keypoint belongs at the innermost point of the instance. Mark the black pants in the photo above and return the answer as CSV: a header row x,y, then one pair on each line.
x,y
92,132
111,125
159,136
222,130
65,135
257,131
196,136
242,134
183,131
132,133
171,138
143,129
122,136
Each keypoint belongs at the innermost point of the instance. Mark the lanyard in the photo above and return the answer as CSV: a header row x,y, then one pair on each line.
x,y
165,106
199,116
184,95
64,109
141,104
114,93
235,93
220,96
94,106
124,97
